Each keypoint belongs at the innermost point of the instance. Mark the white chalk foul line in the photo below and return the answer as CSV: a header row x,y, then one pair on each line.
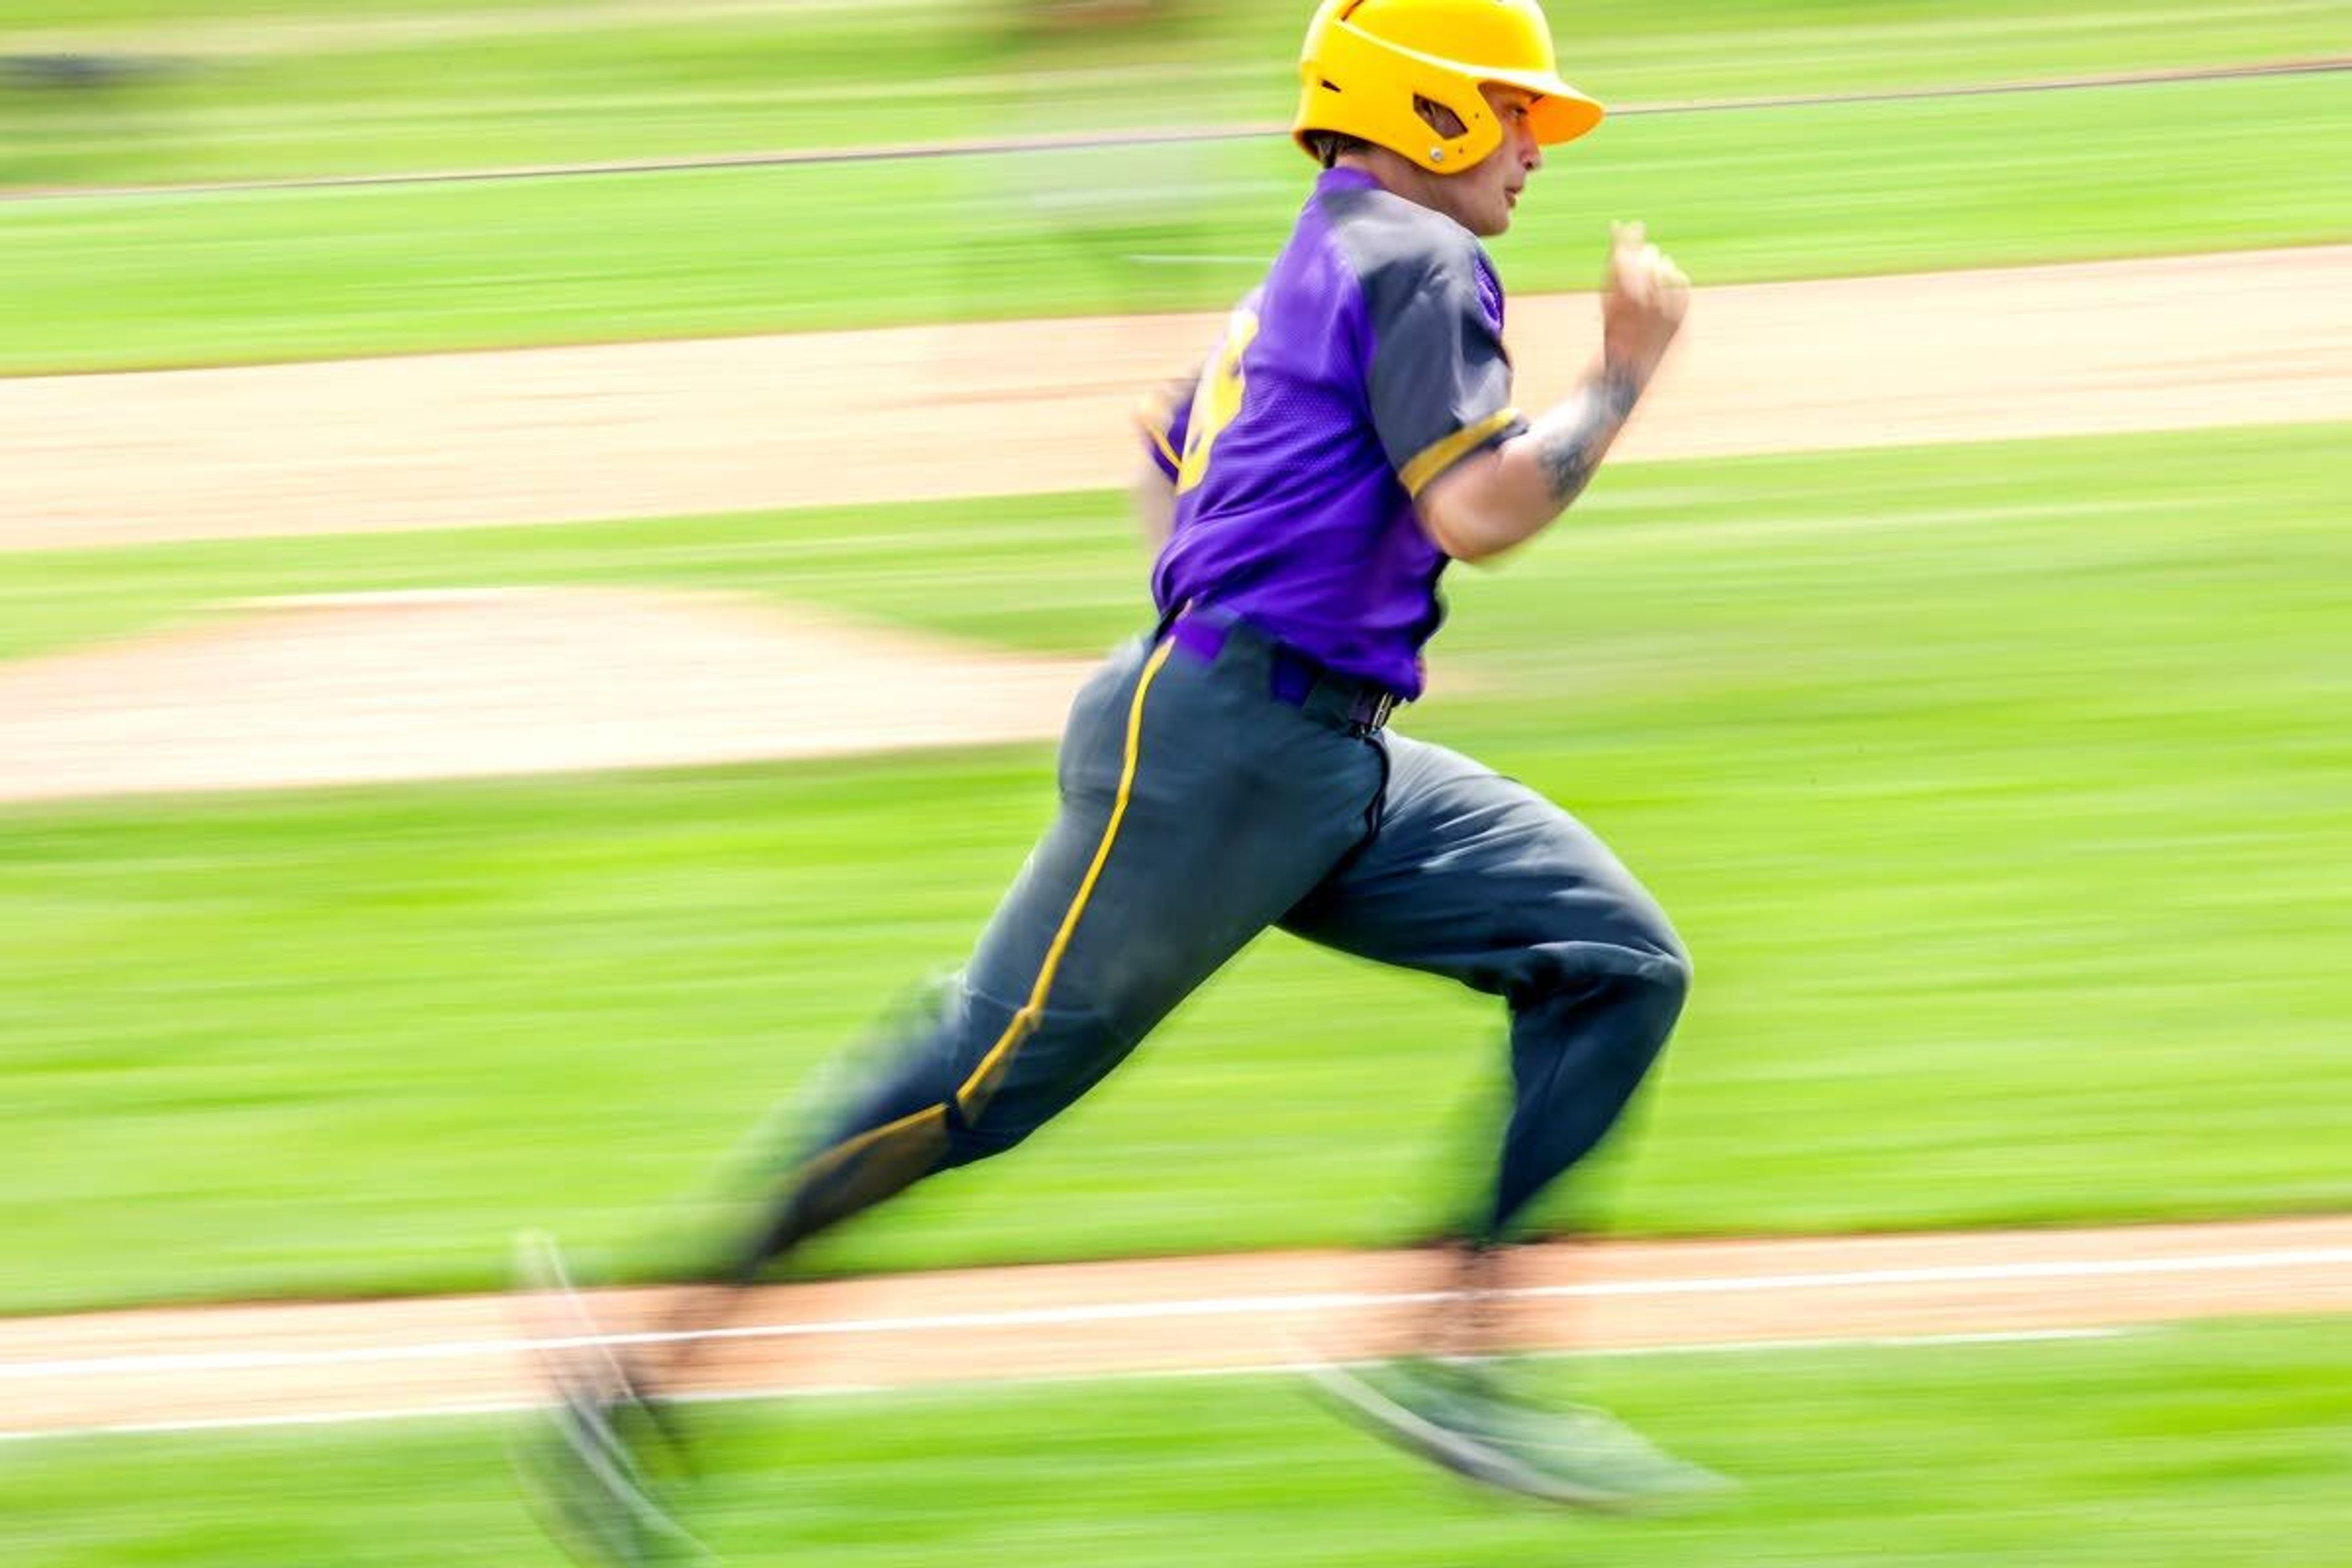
x,y
1269,1369
1206,1307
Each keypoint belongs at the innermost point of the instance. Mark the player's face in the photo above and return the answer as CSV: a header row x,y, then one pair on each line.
x,y
1481,197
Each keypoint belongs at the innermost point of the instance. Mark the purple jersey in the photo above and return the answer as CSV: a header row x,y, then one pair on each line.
x,y
1370,361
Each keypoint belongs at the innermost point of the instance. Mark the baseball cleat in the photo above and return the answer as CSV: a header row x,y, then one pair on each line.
x,y
581,1459
1464,1417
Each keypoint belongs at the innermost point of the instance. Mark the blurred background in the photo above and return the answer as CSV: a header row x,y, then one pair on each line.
x,y
543,548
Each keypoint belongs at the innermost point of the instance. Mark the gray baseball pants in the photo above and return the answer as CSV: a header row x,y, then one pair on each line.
x,y
1205,798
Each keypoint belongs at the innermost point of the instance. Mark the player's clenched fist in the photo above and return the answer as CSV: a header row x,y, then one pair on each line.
x,y
1644,306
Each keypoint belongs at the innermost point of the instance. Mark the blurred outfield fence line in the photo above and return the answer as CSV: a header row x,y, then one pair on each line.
x,y
1089,142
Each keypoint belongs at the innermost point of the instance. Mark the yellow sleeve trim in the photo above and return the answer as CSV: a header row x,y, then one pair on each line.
x,y
1440,456
1160,440
1152,417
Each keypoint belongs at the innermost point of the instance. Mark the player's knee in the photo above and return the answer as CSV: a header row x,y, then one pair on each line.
x,y
987,1137
1638,1008
1653,955
1669,969
1628,991
1637,959
1665,977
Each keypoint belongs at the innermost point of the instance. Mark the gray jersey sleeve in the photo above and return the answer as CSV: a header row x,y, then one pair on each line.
x,y
1439,382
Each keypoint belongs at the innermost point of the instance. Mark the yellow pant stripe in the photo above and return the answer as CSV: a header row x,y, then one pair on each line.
x,y
1022,1022
840,1155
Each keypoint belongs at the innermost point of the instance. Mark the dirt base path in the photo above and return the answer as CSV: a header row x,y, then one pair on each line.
x,y
922,413
250,1365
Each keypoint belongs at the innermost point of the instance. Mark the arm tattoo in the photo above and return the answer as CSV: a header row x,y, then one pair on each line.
x,y
1571,438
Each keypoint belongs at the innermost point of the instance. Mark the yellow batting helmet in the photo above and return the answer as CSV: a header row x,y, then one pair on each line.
x,y
1365,61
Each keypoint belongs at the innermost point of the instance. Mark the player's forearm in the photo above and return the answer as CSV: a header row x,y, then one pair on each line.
x,y
1504,497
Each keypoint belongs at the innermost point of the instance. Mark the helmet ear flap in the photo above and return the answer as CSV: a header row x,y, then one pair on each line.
x,y
1437,116
1449,125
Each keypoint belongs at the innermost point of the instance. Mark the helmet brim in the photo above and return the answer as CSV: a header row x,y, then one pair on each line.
x,y
1560,113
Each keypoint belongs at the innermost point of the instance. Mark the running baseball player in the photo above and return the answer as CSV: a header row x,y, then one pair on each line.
x,y
1234,770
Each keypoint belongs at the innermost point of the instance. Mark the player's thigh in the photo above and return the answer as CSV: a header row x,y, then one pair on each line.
x,y
1191,815
1476,876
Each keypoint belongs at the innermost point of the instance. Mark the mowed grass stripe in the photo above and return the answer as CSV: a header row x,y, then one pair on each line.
x,y
1064,573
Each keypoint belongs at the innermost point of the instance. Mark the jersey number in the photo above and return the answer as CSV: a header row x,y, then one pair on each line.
x,y
1217,402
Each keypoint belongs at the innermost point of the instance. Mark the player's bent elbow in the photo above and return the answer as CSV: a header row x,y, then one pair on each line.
x,y
1471,511
1464,534
1453,525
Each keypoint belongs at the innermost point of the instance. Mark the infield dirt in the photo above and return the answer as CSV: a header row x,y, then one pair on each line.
x,y
1017,408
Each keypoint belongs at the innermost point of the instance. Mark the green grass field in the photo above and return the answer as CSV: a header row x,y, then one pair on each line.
x,y
252,90
2196,1447
1997,790
1747,196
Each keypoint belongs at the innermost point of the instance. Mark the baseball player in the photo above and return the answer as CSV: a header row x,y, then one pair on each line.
x,y
1234,770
